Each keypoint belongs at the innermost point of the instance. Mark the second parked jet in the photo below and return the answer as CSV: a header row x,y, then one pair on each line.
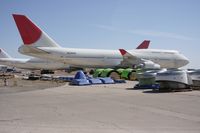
x,y
32,63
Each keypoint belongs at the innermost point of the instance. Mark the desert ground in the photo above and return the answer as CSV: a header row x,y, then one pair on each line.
x,y
52,107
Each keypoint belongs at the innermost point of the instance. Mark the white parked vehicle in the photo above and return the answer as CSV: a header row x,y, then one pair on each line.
x,y
173,79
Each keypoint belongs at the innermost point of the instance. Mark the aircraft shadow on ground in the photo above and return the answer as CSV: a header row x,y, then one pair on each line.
x,y
151,91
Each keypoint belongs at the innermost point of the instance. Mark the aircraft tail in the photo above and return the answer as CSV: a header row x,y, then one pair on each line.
x,y
144,45
31,34
3,54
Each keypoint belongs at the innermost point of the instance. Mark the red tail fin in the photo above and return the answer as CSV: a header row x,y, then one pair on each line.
x,y
144,45
29,32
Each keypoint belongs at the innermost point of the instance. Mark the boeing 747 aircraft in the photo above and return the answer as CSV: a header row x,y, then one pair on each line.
x,y
38,44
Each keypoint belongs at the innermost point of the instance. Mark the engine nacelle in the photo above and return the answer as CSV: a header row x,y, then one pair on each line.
x,y
150,65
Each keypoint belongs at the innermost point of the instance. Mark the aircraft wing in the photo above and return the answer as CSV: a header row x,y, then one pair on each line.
x,y
131,60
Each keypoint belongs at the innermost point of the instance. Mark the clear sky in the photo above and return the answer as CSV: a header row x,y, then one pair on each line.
x,y
108,24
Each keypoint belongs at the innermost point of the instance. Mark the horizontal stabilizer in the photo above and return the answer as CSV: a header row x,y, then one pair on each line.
x,y
3,54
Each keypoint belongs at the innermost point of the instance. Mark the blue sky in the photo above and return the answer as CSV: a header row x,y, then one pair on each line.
x,y
108,24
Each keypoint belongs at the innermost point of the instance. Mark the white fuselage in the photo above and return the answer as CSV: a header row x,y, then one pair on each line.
x,y
33,63
106,58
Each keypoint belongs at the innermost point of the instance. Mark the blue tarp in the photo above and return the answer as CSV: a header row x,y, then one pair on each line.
x,y
80,82
107,80
95,81
80,79
80,75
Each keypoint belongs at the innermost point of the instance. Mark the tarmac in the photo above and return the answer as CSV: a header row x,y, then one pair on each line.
x,y
115,108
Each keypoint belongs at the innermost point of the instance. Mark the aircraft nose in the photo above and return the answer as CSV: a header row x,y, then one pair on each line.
x,y
185,60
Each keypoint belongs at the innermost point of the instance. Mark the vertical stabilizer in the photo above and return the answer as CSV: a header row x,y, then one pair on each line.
x,y
31,34
144,45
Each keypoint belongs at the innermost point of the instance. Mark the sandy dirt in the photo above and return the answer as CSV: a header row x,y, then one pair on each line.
x,y
20,85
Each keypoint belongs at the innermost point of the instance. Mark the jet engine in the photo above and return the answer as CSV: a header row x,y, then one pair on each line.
x,y
149,65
